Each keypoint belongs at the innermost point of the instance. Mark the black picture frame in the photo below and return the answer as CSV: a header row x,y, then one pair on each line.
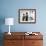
x,y
27,16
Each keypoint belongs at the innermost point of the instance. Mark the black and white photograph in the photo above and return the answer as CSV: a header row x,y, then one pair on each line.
x,y
27,15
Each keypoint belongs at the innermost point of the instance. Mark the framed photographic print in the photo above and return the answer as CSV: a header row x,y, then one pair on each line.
x,y
27,15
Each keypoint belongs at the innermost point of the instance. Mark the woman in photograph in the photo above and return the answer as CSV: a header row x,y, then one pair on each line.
x,y
23,18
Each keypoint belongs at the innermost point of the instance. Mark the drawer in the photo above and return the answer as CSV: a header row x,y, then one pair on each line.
x,y
9,43
16,37
37,43
13,43
33,37
33,43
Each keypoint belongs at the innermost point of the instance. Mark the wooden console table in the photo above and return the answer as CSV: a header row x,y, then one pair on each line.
x,y
20,39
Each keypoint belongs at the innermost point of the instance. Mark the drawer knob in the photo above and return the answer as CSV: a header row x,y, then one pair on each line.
x,y
33,42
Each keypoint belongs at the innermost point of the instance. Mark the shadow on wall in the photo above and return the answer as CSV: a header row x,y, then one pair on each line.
x,y
2,21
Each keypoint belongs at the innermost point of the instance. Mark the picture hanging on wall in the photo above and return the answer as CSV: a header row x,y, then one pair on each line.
x,y
27,15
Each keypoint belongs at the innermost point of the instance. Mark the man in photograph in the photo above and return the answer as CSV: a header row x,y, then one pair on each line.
x,y
25,17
